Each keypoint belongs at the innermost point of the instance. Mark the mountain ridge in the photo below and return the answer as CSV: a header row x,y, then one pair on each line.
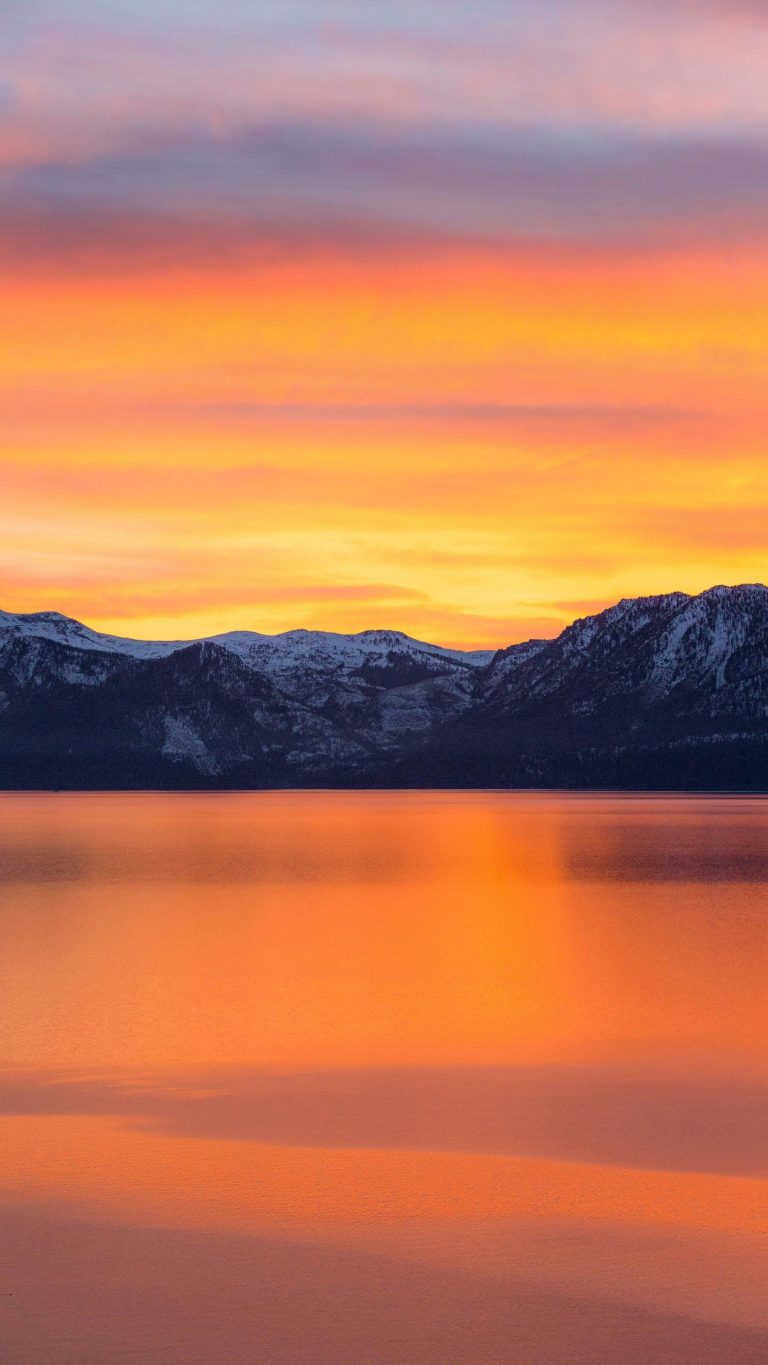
x,y
55,625
663,691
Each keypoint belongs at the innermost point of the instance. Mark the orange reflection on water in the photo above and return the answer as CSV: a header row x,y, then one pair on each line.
x,y
504,1054
147,1178
340,930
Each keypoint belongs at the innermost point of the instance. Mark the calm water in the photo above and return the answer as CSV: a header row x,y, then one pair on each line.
x,y
383,1079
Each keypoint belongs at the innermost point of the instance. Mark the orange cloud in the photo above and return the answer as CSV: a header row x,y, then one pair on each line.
x,y
482,432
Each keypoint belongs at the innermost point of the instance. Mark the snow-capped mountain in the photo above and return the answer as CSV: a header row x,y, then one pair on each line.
x,y
236,707
668,691
292,647
650,660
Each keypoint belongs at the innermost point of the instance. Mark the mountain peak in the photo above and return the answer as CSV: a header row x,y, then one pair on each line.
x,y
723,590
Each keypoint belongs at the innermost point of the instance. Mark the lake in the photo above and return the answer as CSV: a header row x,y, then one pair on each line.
x,y
383,1079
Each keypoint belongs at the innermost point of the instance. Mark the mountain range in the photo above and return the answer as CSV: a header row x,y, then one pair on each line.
x,y
665,693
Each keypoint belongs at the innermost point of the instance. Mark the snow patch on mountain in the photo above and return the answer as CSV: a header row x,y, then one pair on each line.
x,y
182,741
62,630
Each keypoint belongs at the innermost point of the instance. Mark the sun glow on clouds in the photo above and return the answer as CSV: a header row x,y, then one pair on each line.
x,y
342,321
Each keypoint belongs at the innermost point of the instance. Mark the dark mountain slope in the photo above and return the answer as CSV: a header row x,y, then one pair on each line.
x,y
663,692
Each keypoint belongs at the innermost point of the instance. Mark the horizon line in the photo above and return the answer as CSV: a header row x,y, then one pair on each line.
x,y
371,630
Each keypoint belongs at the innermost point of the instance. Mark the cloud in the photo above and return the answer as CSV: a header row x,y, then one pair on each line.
x,y
81,83
729,528
609,417
296,187
403,207
730,11
173,587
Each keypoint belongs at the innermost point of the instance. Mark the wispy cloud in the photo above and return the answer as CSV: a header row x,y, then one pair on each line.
x,y
296,186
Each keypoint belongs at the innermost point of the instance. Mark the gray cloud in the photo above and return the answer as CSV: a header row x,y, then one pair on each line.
x,y
607,416
293,184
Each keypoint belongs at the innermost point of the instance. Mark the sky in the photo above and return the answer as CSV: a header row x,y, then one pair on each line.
x,y
439,316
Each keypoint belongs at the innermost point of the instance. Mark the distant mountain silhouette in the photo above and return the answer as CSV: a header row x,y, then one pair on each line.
x,y
665,692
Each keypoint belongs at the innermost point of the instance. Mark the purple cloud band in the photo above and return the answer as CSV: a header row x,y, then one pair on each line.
x,y
296,184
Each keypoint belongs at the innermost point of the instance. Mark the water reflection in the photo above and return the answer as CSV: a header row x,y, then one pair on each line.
x,y
191,1298
502,1056
604,1116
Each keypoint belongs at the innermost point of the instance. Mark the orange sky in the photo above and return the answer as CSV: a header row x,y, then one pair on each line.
x,y
295,353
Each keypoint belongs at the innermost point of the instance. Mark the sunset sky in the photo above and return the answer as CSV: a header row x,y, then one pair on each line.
x,y
449,317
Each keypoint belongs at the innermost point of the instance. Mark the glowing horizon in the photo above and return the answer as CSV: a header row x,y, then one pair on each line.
x,y
358,321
